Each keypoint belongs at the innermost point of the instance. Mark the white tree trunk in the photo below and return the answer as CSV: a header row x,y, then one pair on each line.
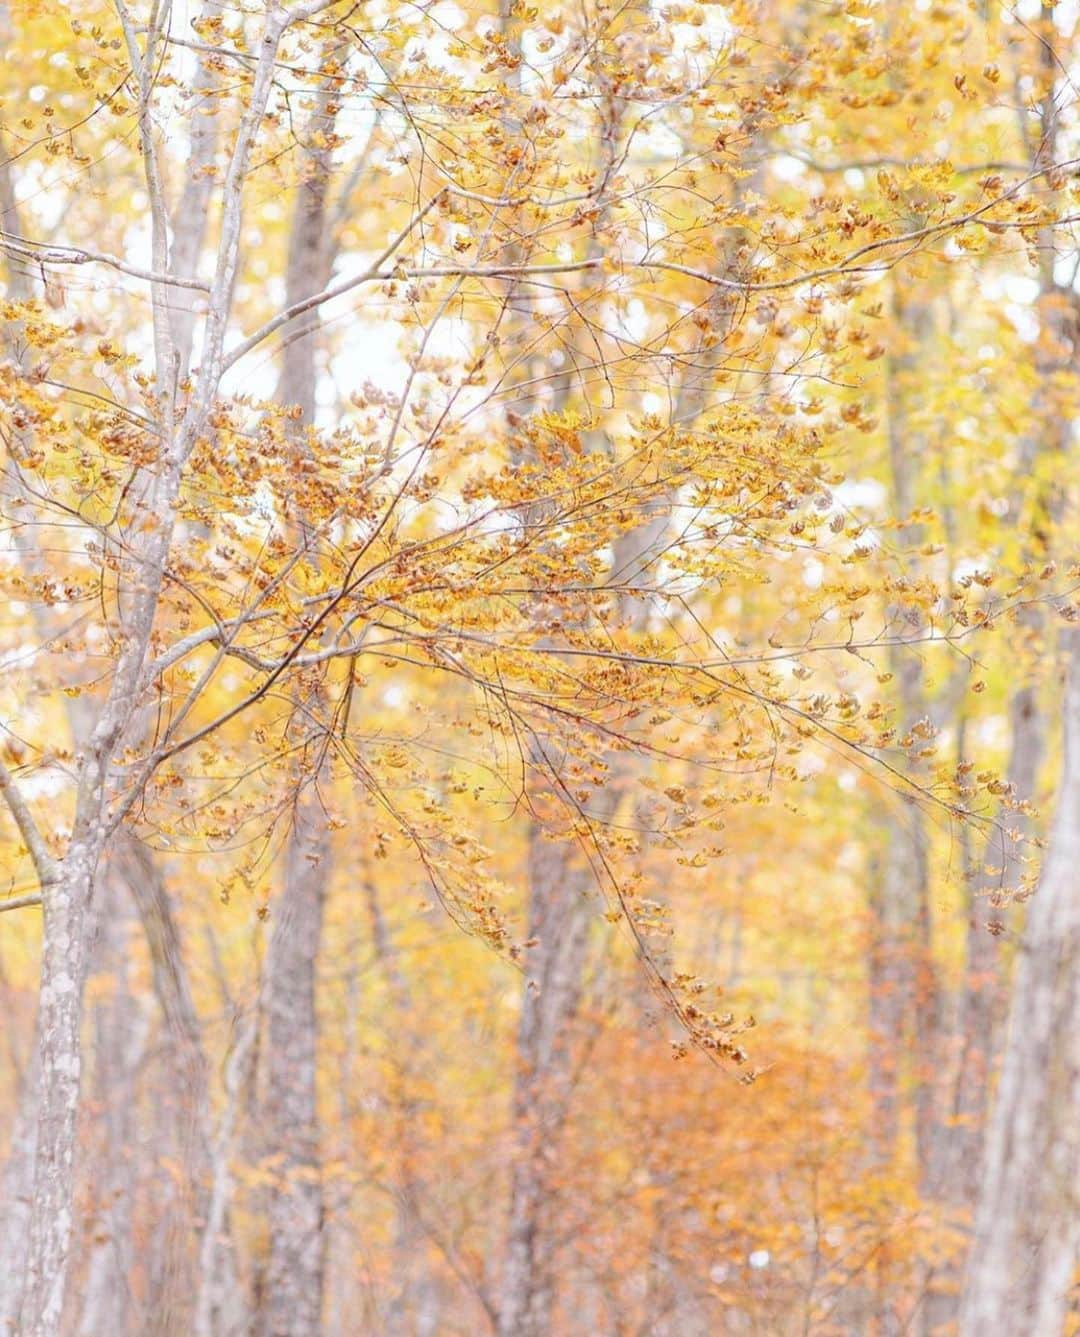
x,y
1027,1231
18,1184
120,1021
67,888
63,962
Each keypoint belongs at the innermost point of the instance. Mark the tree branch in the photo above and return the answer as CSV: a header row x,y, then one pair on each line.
x,y
72,255
48,870
370,275
376,274
20,902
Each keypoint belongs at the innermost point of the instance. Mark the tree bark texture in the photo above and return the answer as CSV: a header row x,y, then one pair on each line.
x,y
1027,1231
290,1294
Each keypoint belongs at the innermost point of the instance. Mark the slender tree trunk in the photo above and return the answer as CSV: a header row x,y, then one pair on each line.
x,y
903,991
559,928
218,1311
183,1107
67,887
18,1184
292,1290
290,1296
559,883
960,1181
981,1006
63,963
1027,1233
120,1024
19,1170
191,217
188,242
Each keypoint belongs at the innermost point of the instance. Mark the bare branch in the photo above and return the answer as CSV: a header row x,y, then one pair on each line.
x,y
20,902
371,275
48,870
72,255
869,164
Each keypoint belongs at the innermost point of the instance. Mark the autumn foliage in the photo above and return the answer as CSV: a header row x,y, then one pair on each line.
x,y
538,555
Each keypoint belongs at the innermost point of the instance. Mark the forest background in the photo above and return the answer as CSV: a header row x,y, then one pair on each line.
x,y
539,570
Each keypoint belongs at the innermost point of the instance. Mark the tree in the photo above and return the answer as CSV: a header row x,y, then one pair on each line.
x,y
1026,1244
532,566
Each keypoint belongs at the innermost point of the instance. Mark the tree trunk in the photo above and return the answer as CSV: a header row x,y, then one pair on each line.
x,y
120,1024
981,1007
559,927
67,887
218,1312
1050,435
18,1185
1027,1232
290,1294
192,214
63,963
902,985
292,1290
184,1104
